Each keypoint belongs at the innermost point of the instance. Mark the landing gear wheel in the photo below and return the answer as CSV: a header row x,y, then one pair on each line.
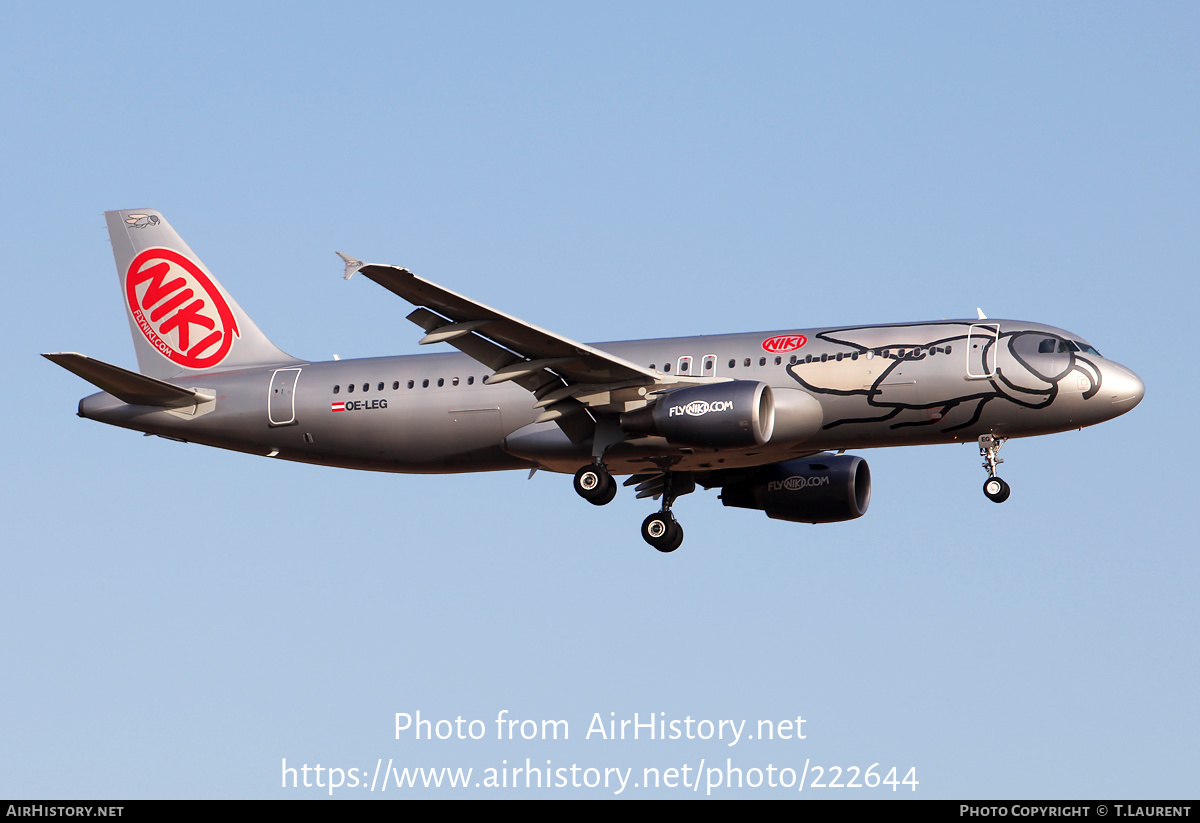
x,y
595,485
996,490
676,542
662,531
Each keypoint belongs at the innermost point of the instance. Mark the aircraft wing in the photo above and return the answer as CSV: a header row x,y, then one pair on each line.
x,y
566,376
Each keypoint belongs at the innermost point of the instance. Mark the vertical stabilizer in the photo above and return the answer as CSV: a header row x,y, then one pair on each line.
x,y
181,318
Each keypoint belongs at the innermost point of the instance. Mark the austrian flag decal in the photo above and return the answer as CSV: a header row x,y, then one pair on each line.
x,y
337,407
179,309
784,343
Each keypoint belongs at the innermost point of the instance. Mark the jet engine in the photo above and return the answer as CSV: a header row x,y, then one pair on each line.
x,y
820,489
737,414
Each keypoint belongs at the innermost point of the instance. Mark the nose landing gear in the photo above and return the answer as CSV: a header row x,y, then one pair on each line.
x,y
994,488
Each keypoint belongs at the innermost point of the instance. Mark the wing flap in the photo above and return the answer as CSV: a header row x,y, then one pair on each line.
x,y
488,353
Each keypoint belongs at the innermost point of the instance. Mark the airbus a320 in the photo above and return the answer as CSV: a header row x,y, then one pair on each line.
x,y
764,417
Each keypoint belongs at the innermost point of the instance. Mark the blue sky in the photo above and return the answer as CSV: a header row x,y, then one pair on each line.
x,y
177,620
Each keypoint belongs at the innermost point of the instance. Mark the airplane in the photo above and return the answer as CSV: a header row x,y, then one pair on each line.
x,y
764,417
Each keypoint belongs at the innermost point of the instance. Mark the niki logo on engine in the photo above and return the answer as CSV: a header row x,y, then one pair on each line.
x,y
796,483
699,408
179,309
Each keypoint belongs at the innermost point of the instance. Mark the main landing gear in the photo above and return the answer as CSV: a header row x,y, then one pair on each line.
x,y
595,485
661,530
996,489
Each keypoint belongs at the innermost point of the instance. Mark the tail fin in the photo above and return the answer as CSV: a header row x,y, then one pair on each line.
x,y
181,318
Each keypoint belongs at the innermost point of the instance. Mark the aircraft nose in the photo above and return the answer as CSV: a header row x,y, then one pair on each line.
x,y
1124,387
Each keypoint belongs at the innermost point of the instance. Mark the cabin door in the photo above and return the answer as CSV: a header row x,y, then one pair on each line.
x,y
981,350
281,402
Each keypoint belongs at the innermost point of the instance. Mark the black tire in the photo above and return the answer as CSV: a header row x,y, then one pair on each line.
x,y
609,495
676,540
662,531
594,484
996,490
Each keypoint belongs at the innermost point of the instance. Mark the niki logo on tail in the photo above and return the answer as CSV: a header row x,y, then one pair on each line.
x,y
179,310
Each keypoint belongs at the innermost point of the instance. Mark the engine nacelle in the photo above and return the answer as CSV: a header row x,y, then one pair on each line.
x,y
818,489
738,414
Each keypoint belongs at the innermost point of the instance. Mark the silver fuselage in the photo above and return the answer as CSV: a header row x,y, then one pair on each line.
x,y
889,385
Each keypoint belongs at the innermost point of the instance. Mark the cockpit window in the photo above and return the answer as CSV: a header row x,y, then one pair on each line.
x,y
1058,345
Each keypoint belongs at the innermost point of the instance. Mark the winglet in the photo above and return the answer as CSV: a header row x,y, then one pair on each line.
x,y
352,265
978,311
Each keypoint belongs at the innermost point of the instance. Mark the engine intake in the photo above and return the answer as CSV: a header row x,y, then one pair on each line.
x,y
737,414
819,489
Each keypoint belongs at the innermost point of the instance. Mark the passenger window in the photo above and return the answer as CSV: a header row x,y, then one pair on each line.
x,y
395,385
471,380
350,388
685,364
337,389
732,363
778,360
710,365
410,384
746,363
455,381
441,382
667,368
366,386
793,359
380,387
425,383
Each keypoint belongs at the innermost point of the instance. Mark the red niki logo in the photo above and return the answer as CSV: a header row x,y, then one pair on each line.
x,y
179,309
784,343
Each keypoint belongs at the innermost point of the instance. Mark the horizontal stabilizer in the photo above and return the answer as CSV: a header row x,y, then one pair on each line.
x,y
127,386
